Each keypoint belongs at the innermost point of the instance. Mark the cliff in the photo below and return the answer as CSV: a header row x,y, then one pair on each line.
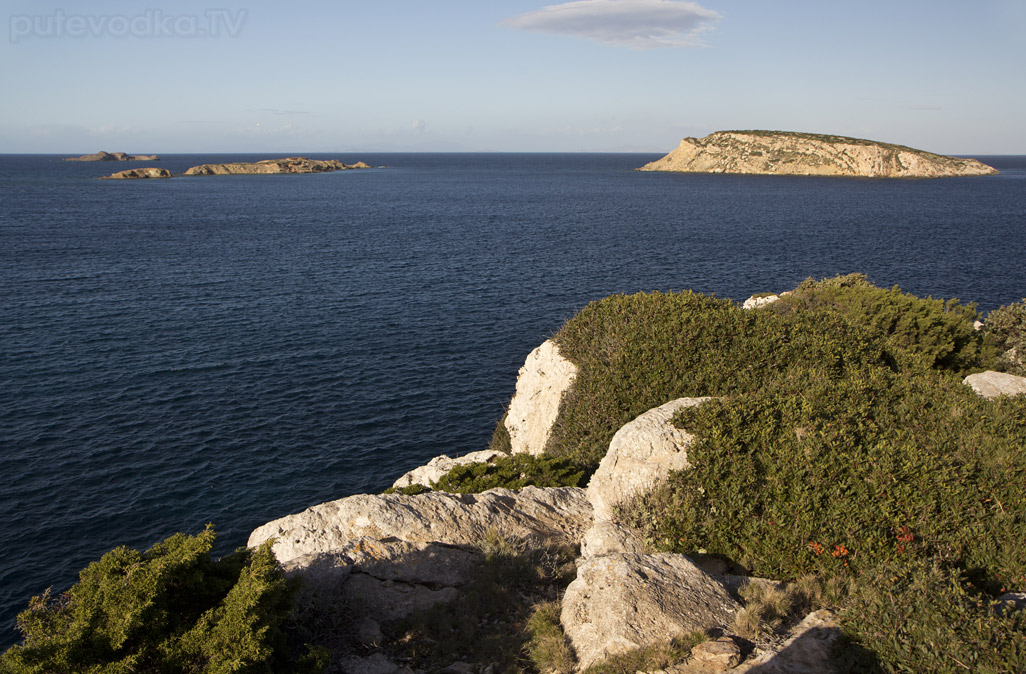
x,y
791,153
114,156
271,166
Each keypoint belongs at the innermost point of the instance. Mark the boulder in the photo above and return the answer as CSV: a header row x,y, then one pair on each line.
x,y
541,383
717,655
559,515
621,602
440,465
993,384
641,454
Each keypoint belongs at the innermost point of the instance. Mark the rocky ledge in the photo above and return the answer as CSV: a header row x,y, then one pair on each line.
x,y
114,156
270,166
139,173
792,153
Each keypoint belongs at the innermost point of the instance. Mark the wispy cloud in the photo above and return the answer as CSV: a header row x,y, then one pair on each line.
x,y
279,111
637,24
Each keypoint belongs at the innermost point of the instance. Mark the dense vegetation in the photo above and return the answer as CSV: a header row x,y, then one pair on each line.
x,y
171,609
843,444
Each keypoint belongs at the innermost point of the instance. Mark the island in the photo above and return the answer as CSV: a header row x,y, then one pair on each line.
x,y
263,167
794,153
139,173
267,166
114,156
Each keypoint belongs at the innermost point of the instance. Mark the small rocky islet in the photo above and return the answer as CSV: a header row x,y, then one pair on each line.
x,y
264,167
810,154
114,156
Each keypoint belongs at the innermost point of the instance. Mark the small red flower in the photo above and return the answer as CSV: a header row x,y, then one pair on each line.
x,y
816,548
839,551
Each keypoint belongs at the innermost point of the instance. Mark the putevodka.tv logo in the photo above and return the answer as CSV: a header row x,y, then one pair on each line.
x,y
151,23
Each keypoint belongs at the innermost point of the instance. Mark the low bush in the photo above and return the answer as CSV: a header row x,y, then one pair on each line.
x,y
512,472
171,609
1005,328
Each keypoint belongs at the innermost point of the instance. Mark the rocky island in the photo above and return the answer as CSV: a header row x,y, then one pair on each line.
x,y
139,173
263,167
114,156
793,153
269,166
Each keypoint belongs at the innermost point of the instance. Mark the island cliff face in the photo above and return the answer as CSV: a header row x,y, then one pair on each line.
x,y
792,153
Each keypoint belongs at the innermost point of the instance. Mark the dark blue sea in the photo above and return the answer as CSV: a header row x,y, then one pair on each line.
x,y
232,349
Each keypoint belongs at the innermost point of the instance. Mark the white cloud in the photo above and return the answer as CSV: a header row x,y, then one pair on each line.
x,y
418,125
638,24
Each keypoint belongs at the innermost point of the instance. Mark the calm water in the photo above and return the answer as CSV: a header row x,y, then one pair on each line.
x,y
233,349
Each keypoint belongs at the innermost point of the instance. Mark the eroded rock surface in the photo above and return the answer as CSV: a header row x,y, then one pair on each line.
x,y
558,516
792,153
622,602
641,454
542,381
992,384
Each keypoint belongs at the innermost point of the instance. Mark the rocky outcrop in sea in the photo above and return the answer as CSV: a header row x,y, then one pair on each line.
x,y
793,153
114,156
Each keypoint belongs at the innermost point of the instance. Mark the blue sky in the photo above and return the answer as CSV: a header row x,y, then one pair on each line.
x,y
454,75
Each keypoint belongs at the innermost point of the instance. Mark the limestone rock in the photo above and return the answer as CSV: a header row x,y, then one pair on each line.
x,y
754,302
558,515
993,384
139,173
791,153
270,166
440,465
717,655
622,602
541,383
606,537
640,455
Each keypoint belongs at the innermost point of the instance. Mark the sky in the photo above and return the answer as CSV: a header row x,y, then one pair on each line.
x,y
468,75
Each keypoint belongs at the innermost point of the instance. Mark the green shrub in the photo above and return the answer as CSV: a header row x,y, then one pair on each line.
x,y
512,472
635,352
170,609
923,618
1006,329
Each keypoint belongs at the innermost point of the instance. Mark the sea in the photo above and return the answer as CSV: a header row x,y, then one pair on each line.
x,y
232,349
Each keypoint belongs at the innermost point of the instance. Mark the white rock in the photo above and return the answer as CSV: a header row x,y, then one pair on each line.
x,y
992,384
440,465
558,515
606,537
641,454
541,383
622,602
754,302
